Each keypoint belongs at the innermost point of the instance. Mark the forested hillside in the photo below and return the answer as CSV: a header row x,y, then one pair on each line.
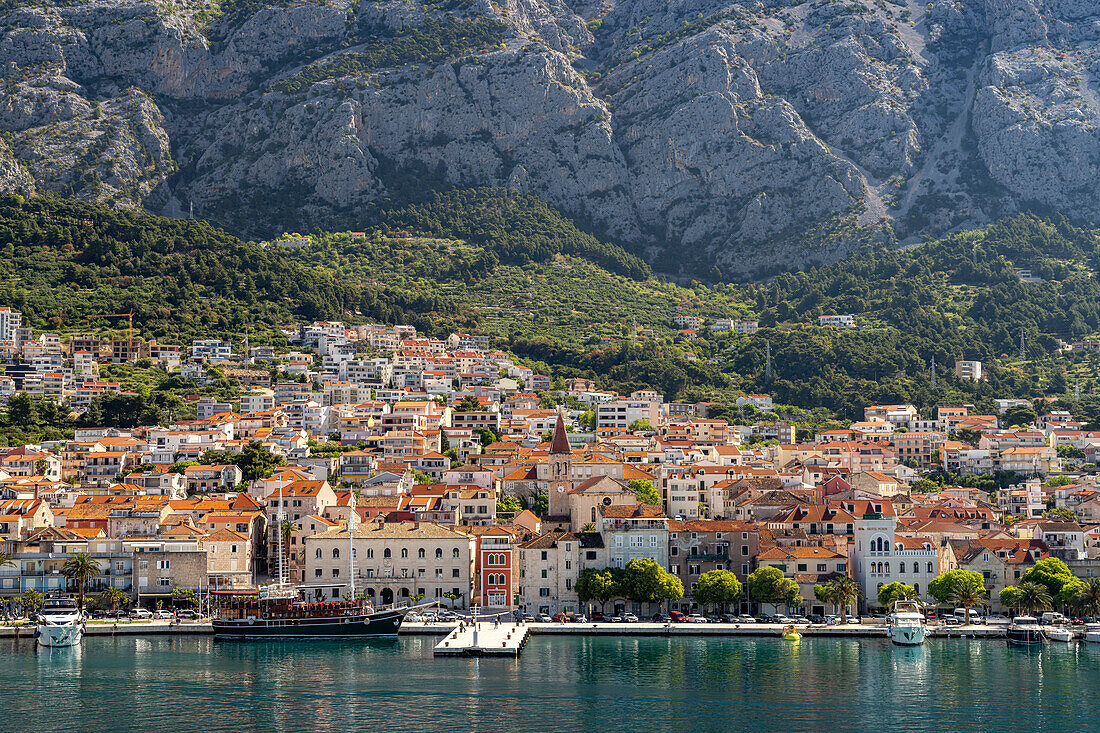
x,y
572,304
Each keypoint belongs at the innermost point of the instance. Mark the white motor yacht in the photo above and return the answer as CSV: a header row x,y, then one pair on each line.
x,y
60,623
1092,633
1024,631
1058,633
905,624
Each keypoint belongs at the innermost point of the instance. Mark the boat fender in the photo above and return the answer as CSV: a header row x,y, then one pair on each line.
x,y
251,620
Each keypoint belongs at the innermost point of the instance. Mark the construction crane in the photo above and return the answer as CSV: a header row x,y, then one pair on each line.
x,y
130,330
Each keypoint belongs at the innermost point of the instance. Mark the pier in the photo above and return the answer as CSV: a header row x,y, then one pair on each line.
x,y
484,639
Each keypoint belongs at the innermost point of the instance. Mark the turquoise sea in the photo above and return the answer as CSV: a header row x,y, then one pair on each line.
x,y
597,685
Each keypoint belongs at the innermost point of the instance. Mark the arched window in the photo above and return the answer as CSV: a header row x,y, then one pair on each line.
x,y
454,553
354,553
916,567
318,553
438,554
335,553
370,553
404,552
386,553
420,553
930,567
888,568
916,588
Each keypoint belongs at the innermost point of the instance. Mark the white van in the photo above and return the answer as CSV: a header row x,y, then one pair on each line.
x,y
1053,617
960,616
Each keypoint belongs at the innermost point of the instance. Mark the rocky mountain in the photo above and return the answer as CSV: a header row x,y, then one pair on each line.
x,y
754,136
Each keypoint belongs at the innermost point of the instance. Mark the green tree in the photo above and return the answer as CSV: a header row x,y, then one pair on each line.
x,y
895,591
7,560
769,585
943,587
1010,597
256,462
31,601
421,478
111,597
1062,514
186,596
1034,597
597,585
81,569
588,527
1052,574
644,490
639,424
1019,415
645,581
716,587
542,505
826,593
1088,597
847,593
469,403
509,505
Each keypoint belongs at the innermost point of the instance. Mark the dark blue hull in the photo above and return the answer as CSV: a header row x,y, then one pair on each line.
x,y
383,623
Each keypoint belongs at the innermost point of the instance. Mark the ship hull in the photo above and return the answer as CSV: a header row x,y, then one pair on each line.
x,y
1025,637
382,624
59,635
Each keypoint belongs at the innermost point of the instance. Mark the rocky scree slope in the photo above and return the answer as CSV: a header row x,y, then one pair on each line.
x,y
754,136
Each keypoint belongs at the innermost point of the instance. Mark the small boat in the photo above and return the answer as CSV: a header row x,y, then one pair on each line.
x,y
1024,631
1092,633
905,624
790,634
60,623
1058,633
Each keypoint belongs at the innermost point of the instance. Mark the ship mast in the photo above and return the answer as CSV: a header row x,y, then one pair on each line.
x,y
279,519
352,517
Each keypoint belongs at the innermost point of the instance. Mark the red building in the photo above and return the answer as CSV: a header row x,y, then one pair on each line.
x,y
494,554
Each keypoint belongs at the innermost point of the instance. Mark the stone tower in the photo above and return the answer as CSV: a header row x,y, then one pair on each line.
x,y
561,471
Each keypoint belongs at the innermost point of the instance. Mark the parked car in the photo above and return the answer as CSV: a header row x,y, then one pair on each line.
x,y
799,620
630,618
597,616
677,617
162,614
544,618
560,618
579,618
781,619
660,618
832,620
696,619
616,619
745,619
816,618
851,620
141,613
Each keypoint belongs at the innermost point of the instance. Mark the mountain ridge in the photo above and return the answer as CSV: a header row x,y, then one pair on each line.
x,y
702,135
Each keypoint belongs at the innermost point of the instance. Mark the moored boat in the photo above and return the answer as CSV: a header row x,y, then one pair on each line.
x,y
791,634
1024,631
1092,633
284,614
1058,633
905,624
60,623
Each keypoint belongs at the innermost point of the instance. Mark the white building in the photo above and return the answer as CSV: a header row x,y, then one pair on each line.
x,y
971,370
879,557
843,321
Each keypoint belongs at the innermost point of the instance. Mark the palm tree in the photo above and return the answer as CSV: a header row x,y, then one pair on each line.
x,y
1088,597
7,560
1034,597
111,597
847,592
31,600
81,569
967,595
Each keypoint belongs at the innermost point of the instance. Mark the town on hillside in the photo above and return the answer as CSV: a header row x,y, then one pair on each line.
x,y
467,479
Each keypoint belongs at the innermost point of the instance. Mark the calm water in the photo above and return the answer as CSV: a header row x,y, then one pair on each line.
x,y
594,685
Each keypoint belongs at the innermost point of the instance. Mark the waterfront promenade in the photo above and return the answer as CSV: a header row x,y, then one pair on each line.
x,y
854,631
